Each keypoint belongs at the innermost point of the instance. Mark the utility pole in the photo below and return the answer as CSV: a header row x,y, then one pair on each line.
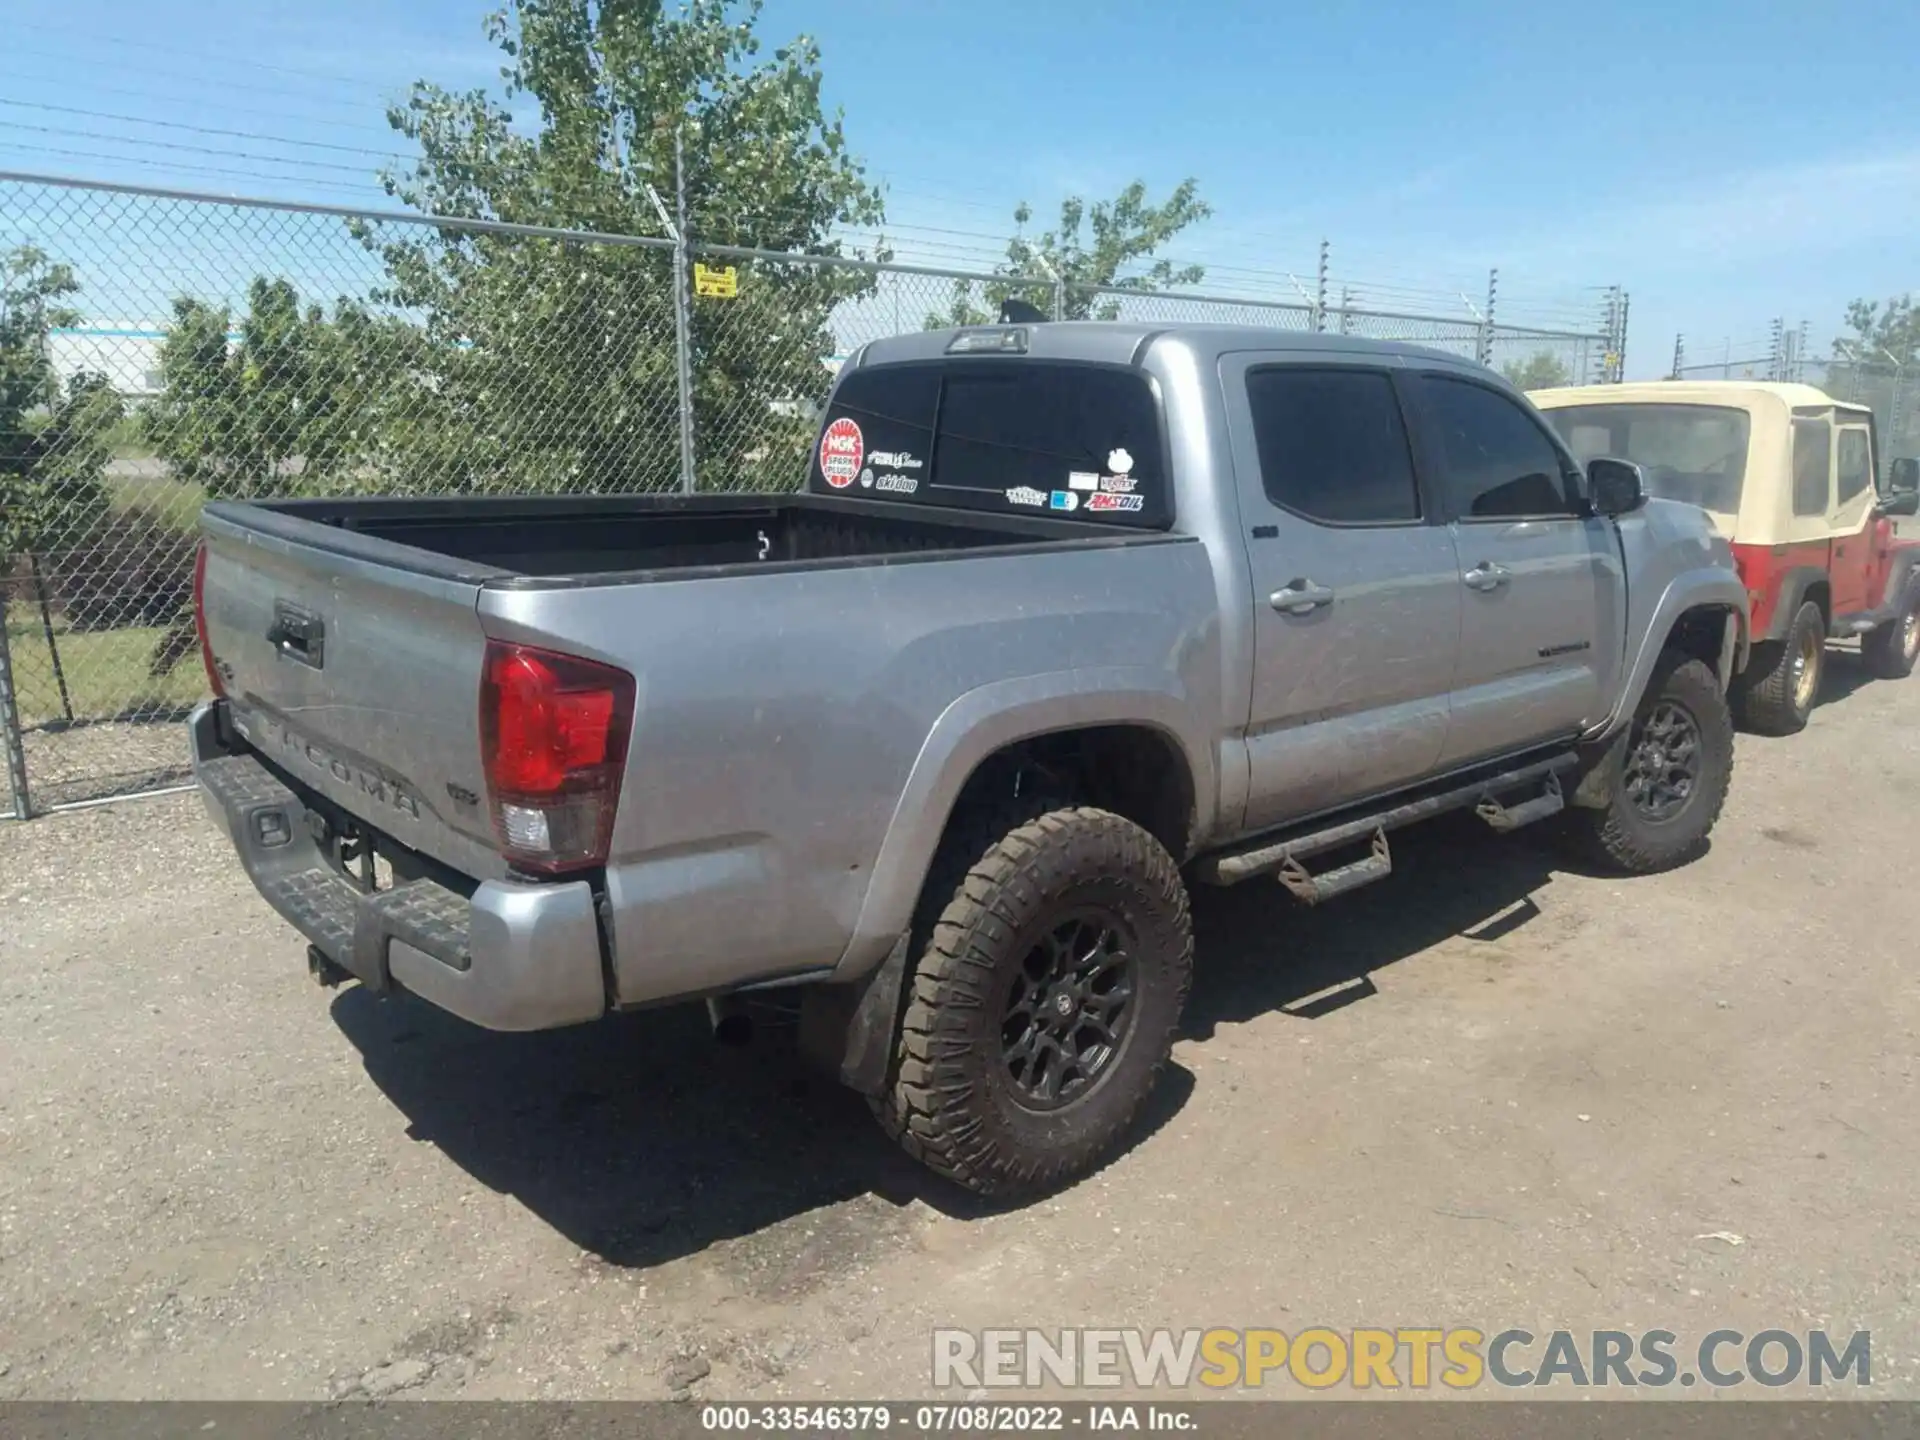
x,y
1679,356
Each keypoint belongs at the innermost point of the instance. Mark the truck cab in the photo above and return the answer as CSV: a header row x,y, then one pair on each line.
x,y
1787,475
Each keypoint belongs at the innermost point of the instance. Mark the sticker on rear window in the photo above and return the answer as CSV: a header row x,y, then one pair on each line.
x,y
840,451
1026,495
1119,461
1107,500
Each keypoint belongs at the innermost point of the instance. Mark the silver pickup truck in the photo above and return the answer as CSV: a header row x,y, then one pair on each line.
x,y
1065,618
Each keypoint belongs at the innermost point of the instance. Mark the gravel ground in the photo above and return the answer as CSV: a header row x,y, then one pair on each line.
x,y
1491,1090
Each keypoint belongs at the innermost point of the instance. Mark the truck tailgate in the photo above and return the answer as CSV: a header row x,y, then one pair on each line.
x,y
356,677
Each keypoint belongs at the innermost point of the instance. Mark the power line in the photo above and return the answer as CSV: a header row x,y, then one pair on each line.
x,y
277,92
65,132
278,112
206,129
198,56
186,167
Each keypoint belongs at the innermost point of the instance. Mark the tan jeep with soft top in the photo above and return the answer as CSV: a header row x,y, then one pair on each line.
x,y
1787,474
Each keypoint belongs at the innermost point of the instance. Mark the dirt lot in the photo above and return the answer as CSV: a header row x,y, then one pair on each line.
x,y
1490,1091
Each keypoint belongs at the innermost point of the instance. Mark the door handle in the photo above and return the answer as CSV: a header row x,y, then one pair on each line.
x,y
298,635
1300,597
1486,576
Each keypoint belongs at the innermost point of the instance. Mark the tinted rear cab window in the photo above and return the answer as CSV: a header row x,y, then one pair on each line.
x,y
1021,437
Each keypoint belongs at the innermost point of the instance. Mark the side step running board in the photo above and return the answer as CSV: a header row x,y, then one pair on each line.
x,y
1312,889
1501,817
1283,857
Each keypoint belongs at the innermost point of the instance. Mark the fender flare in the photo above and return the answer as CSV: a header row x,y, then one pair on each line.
x,y
988,719
1900,572
1794,585
1691,589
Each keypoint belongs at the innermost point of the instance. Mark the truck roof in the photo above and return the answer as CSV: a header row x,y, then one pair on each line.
x,y
1122,342
1738,393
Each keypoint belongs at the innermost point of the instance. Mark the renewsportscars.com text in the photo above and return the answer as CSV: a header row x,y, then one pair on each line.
x,y
1457,1358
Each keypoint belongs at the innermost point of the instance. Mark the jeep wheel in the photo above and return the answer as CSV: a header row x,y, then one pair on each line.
x,y
1891,649
1044,1002
1669,774
1779,701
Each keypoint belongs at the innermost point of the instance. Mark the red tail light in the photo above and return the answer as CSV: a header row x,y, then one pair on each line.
x,y
553,739
214,681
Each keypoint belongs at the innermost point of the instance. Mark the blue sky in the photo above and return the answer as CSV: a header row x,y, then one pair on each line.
x,y
1726,162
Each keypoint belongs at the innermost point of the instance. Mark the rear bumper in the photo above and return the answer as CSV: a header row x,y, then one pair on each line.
x,y
506,957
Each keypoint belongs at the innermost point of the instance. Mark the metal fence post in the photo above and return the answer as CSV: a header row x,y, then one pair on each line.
x,y
10,734
1620,342
1486,323
46,629
1320,293
683,318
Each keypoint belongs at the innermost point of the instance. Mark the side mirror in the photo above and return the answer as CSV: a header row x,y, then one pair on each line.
x,y
1615,487
1903,502
1904,477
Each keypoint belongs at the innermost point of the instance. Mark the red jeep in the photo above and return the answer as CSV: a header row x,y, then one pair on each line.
x,y
1787,474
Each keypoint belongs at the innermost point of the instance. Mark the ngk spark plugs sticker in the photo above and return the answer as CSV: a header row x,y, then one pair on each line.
x,y
840,451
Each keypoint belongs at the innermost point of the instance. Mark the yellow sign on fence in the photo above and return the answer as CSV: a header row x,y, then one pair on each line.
x,y
716,284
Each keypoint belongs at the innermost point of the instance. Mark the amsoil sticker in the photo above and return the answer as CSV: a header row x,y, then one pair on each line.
x,y
1026,495
1106,500
1082,480
840,451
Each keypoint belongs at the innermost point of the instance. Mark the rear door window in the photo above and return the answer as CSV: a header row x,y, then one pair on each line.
x,y
1332,445
1855,468
1812,466
1011,437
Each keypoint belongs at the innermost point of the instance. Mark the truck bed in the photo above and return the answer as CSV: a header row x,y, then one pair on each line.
x,y
350,635
577,538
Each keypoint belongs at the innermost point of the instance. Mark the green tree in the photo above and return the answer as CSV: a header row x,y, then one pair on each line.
x,y
1109,245
1885,332
55,441
553,360
1542,370
1876,365
292,403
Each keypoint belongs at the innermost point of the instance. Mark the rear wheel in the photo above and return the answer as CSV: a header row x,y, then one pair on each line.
x,y
1044,1003
1779,700
1669,774
1891,649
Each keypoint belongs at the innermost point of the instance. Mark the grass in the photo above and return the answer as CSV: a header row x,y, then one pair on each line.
x,y
177,499
106,671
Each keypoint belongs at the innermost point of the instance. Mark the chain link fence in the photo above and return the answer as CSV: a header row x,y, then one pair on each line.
x,y
159,349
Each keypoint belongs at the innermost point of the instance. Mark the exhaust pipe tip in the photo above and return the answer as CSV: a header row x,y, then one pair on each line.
x,y
732,1025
